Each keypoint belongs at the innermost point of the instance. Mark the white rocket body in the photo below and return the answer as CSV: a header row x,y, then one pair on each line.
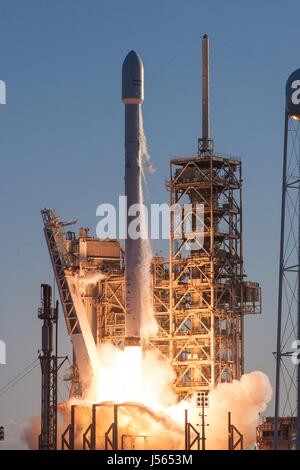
x,y
133,97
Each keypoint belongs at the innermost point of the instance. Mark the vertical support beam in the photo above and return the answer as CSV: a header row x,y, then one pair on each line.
x,y
72,428
93,428
115,429
49,367
242,345
229,431
233,442
186,437
280,284
86,439
212,280
298,337
188,427
68,436
171,267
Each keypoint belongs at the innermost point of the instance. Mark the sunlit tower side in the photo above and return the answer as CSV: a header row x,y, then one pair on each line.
x,y
287,390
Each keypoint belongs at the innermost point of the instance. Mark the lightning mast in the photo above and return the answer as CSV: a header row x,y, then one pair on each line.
x,y
208,294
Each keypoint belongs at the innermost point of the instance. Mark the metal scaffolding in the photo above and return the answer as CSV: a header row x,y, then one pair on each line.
x,y
200,308
50,365
111,310
208,297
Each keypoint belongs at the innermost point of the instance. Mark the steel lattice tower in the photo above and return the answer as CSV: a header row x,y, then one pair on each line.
x,y
48,360
207,296
288,327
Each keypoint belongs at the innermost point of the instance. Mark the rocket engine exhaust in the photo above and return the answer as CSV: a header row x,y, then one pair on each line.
x,y
133,97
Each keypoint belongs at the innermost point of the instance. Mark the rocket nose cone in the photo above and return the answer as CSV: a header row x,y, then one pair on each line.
x,y
132,58
132,79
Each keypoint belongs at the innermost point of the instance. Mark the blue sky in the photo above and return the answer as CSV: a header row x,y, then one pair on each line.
x,y
61,136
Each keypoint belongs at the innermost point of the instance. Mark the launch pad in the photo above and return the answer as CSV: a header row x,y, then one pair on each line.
x,y
200,296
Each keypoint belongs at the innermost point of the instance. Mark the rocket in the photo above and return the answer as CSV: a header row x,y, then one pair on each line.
x,y
133,97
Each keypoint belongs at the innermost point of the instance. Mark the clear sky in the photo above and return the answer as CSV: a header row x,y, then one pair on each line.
x,y
61,137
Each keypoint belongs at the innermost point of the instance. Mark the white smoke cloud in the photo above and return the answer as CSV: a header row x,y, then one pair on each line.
x,y
89,278
145,155
245,399
149,325
154,419
31,433
13,434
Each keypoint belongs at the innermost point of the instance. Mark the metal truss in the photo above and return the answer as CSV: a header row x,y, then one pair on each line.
x,y
60,260
207,300
111,311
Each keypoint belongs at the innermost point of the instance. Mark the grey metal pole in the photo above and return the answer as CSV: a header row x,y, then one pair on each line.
x,y
280,287
55,365
205,93
298,329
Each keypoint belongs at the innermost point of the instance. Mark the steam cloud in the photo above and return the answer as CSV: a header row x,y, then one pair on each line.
x,y
89,278
158,421
145,155
149,325
245,399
